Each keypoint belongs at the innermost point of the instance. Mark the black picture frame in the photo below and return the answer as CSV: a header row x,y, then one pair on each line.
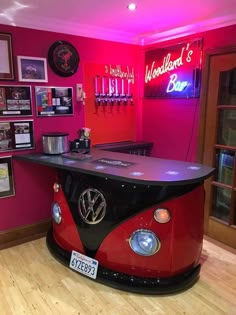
x,y
16,135
6,177
15,100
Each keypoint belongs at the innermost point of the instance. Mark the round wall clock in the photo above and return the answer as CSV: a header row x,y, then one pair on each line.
x,y
63,58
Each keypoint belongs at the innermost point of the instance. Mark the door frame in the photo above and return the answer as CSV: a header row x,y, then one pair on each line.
x,y
202,119
203,96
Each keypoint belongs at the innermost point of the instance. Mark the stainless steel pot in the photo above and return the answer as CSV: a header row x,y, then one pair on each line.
x,y
55,143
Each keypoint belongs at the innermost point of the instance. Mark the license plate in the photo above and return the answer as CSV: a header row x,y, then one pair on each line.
x,y
84,264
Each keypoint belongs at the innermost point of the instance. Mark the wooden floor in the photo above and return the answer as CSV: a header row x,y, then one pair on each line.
x,y
33,282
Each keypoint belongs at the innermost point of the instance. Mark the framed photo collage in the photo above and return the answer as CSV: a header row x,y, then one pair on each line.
x,y
16,106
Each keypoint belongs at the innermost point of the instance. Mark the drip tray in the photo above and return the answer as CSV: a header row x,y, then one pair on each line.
x,y
77,156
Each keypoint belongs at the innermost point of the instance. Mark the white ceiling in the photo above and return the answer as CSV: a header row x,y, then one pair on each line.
x,y
153,21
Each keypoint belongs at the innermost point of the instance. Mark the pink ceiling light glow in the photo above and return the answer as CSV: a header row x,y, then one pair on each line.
x,y
132,6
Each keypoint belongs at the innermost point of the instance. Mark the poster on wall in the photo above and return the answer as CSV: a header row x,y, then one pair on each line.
x,y
54,101
173,72
6,177
32,69
16,135
6,60
15,101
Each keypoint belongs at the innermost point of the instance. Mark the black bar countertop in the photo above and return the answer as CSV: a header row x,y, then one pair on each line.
x,y
125,167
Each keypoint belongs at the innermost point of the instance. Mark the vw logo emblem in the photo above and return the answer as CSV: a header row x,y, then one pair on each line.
x,y
92,206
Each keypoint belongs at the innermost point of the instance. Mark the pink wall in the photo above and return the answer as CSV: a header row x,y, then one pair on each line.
x,y
33,183
172,124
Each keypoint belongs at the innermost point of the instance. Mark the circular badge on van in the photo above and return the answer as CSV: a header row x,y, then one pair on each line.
x,y
92,206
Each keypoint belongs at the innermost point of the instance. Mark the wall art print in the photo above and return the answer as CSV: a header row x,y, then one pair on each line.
x,y
32,69
54,101
6,177
15,101
16,135
6,60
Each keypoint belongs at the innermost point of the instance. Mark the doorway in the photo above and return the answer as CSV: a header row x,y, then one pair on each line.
x,y
217,144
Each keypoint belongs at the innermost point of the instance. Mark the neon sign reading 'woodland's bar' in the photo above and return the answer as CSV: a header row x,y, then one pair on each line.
x,y
173,71
168,64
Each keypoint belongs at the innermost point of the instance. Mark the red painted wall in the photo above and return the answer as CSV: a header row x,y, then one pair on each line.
x,y
33,183
172,124
109,123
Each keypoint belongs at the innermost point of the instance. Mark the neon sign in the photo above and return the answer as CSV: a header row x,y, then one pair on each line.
x,y
173,71
117,71
175,85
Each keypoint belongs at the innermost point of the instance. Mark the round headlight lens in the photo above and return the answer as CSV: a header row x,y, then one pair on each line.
x,y
144,242
56,212
162,215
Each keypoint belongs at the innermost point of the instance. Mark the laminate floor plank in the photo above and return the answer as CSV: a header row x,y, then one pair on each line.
x,y
32,282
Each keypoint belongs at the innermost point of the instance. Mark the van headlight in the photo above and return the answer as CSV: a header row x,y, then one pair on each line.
x,y
162,215
56,213
144,242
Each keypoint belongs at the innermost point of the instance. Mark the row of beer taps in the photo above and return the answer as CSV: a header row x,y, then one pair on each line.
x,y
112,91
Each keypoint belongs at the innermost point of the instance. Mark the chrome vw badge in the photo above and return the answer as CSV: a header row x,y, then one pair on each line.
x,y
92,206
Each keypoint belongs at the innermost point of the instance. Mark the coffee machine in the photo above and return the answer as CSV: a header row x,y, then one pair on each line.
x,y
83,143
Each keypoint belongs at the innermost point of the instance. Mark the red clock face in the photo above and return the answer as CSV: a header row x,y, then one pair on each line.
x,y
63,58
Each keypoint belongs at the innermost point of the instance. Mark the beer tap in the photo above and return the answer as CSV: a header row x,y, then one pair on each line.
x,y
104,90
97,90
122,94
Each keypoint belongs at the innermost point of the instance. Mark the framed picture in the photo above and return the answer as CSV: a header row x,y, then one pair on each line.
x,y
6,58
6,177
32,69
16,135
15,100
54,101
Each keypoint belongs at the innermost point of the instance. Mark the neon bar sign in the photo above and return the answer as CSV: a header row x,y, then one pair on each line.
x,y
175,85
173,71
117,71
